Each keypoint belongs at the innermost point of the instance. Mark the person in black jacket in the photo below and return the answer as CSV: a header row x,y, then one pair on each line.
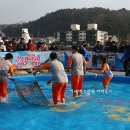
x,y
98,47
21,46
126,61
53,47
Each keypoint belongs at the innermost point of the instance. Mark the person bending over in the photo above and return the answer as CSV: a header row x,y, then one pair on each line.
x,y
59,78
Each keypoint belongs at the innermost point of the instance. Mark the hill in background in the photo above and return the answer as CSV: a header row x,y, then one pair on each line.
x,y
114,21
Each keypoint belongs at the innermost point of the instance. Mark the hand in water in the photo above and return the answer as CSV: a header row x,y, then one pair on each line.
x,y
34,73
68,71
96,75
10,78
48,82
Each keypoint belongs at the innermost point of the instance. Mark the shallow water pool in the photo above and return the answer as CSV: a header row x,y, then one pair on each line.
x,y
96,109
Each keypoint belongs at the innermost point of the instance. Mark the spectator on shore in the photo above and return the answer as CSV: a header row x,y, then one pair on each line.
x,y
85,44
2,46
30,46
43,47
108,44
10,47
123,46
113,47
14,43
5,40
98,47
126,59
21,46
38,45
53,47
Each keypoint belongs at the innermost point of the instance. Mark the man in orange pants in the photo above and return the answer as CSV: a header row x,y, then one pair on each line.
x,y
59,78
77,64
5,67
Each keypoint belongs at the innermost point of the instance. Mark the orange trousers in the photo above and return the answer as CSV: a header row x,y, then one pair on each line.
x,y
3,89
106,81
77,82
58,90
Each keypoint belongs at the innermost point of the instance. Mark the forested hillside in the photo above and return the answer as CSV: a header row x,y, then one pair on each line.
x,y
113,21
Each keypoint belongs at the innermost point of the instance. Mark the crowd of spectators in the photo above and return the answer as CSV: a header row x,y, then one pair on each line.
x,y
14,45
20,45
111,46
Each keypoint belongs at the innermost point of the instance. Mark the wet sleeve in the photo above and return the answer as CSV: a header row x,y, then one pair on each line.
x,y
104,67
70,60
46,66
11,69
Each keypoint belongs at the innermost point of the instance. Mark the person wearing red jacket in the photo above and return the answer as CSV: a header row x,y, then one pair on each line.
x,y
30,46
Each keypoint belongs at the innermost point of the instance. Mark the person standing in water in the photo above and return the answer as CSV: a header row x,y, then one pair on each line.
x,y
107,73
77,67
5,67
59,78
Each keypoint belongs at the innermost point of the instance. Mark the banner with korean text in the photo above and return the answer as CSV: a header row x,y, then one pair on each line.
x,y
28,59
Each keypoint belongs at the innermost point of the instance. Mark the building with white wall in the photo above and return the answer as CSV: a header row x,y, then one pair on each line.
x,y
69,36
82,35
75,27
92,35
92,26
102,36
